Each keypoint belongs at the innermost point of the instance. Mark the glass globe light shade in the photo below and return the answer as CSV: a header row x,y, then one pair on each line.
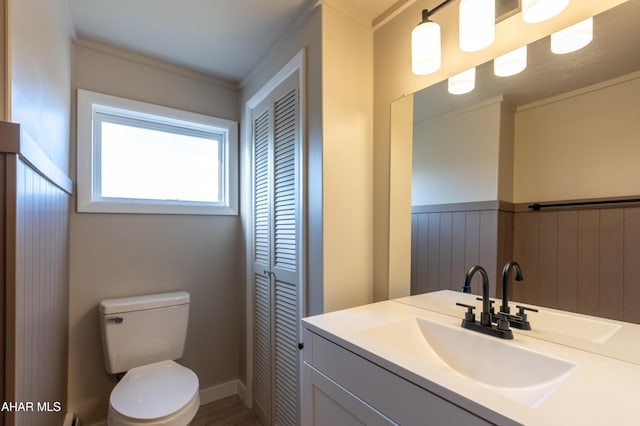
x,y
572,38
477,24
462,83
511,63
425,48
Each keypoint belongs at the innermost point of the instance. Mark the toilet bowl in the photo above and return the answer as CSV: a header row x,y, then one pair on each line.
x,y
164,393
142,336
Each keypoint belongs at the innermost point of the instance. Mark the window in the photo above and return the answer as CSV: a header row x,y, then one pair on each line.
x,y
135,157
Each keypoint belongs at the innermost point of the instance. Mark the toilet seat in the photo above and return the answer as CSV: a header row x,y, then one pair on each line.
x,y
162,393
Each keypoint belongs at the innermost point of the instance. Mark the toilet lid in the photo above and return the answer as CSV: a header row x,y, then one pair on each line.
x,y
154,391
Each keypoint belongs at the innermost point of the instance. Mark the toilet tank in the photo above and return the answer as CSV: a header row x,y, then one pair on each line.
x,y
143,329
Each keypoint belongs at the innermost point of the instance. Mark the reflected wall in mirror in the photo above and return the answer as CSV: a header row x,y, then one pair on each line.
x,y
565,129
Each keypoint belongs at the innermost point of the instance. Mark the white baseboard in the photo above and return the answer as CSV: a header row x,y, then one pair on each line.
x,y
220,391
243,394
70,419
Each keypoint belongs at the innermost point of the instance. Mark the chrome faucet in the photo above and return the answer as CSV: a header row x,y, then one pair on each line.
x,y
505,284
485,326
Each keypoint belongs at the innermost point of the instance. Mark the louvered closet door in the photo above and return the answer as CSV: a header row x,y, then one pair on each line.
x,y
262,126
277,255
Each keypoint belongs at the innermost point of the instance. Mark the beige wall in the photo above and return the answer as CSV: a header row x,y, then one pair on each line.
x,y
40,34
506,152
446,167
581,144
393,79
115,255
4,63
347,156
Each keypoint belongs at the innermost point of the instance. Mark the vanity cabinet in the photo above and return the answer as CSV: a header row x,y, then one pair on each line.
x,y
343,388
391,362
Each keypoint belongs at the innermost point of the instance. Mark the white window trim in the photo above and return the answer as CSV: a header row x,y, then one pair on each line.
x,y
89,200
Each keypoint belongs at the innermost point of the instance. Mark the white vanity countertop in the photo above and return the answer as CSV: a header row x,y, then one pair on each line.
x,y
600,390
623,344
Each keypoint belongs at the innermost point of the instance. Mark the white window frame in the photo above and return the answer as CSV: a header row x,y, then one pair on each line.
x,y
91,105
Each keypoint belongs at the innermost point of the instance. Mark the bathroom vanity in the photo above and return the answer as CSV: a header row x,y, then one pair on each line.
x,y
409,362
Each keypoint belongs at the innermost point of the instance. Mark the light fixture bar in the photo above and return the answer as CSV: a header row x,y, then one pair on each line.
x,y
430,12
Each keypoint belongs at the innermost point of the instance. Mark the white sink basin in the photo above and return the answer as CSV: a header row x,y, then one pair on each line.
x,y
547,323
522,375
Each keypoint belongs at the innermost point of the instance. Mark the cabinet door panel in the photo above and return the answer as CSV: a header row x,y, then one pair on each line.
x,y
331,404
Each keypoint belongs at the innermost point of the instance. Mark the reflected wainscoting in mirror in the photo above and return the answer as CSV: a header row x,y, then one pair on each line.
x,y
575,259
564,129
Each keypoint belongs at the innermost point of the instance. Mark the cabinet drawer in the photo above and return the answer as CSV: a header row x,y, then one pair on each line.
x,y
398,399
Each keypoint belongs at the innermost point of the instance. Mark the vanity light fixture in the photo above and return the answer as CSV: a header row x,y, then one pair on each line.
x,y
477,31
425,46
462,83
572,38
477,24
534,11
511,63
425,43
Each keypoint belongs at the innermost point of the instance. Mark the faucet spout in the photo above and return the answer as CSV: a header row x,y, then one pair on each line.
x,y
505,283
502,330
485,316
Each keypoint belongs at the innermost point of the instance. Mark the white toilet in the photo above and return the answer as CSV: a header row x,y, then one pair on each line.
x,y
142,336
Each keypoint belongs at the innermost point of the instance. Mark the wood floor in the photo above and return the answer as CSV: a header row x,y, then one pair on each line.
x,y
229,411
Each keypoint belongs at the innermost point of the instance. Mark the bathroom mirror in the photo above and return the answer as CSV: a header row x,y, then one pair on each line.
x,y
591,154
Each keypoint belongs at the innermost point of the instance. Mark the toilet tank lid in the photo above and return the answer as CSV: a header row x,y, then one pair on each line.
x,y
137,303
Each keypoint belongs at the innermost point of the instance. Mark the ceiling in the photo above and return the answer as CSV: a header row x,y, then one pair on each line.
x,y
224,38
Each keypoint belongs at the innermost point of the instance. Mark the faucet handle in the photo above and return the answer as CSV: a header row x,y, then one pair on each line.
x,y
522,309
469,315
503,321
492,311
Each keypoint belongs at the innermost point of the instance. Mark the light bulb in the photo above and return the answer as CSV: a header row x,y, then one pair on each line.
x,y
534,11
572,38
510,63
462,83
477,24
425,48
